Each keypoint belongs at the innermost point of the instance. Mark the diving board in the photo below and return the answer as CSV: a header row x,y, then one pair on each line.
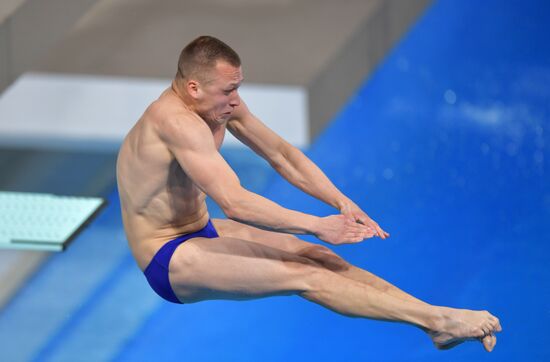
x,y
35,221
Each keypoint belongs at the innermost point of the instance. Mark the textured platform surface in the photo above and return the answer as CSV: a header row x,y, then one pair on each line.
x,y
43,221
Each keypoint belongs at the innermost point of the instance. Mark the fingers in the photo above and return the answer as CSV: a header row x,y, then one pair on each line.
x,y
362,236
376,229
365,231
352,238
371,225
357,236
371,231
356,231
380,232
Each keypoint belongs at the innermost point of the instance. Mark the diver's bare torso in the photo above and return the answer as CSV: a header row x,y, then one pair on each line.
x,y
158,200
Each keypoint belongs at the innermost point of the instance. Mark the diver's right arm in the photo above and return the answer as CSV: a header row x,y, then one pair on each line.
x,y
191,142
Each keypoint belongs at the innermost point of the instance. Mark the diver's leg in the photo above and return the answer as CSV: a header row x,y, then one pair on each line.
x,y
230,268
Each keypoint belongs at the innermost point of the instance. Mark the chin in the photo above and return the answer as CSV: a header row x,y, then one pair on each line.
x,y
224,117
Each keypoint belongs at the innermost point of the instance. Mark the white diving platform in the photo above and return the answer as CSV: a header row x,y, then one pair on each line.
x,y
43,221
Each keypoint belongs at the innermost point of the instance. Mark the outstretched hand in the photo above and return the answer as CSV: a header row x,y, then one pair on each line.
x,y
340,229
352,211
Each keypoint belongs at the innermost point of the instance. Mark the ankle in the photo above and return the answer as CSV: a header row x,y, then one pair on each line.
x,y
436,320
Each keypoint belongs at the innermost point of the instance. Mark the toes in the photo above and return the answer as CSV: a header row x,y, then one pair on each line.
x,y
485,329
493,342
487,343
478,333
495,325
491,326
495,322
498,327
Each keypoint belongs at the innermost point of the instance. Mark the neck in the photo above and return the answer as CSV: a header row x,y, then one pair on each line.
x,y
187,101
176,89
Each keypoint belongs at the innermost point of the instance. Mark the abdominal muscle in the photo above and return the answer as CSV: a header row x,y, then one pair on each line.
x,y
146,237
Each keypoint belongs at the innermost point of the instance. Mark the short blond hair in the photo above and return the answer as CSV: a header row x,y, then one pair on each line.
x,y
201,55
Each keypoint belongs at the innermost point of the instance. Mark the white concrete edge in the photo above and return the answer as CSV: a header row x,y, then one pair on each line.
x,y
61,111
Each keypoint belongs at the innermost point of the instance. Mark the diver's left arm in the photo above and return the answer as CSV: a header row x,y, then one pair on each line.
x,y
294,166
303,173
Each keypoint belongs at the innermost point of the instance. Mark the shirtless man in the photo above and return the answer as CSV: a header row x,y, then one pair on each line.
x,y
169,162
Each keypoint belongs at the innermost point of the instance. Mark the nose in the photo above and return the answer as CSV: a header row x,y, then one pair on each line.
x,y
235,101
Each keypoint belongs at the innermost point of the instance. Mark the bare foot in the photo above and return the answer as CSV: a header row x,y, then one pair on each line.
x,y
461,325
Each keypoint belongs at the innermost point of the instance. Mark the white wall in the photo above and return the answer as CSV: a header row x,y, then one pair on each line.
x,y
90,112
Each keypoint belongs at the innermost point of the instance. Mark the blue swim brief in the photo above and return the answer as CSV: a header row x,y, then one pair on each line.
x,y
157,270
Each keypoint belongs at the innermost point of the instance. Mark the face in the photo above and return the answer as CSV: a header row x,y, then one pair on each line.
x,y
217,97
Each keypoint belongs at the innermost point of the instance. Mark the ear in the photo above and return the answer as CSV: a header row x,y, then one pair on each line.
x,y
193,88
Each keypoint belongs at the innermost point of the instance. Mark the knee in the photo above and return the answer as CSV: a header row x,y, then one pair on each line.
x,y
319,282
325,256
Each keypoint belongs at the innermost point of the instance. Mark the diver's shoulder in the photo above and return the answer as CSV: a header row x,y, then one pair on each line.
x,y
178,126
166,110
162,117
